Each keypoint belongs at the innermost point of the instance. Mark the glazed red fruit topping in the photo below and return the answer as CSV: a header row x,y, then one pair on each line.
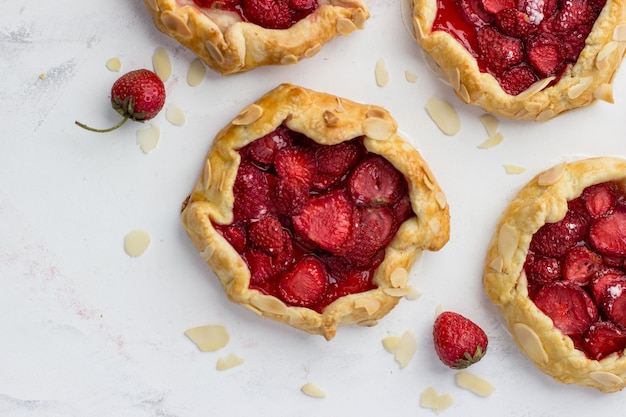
x,y
459,342
270,14
137,95
576,270
312,221
541,36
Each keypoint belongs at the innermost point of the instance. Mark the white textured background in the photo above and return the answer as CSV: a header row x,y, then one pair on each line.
x,y
85,330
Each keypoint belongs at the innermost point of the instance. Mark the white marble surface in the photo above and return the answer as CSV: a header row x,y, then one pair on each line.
x,y
88,331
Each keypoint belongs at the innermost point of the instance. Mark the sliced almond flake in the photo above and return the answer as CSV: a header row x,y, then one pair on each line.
x,y
491,123
606,378
377,129
209,338
396,292
175,115
250,114
530,343
399,277
114,64
406,349
474,383
418,32
312,51
497,264
493,141
359,18
444,116
410,77
207,253
42,76
434,225
391,343
545,115
534,88
215,52
455,78
370,305
136,242
289,59
161,63
406,11
381,73
604,92
375,112
207,174
507,242
196,73
176,23
441,199
345,26
148,138
153,5
330,118
368,323
428,182
438,310
602,62
513,169
340,108
413,294
431,399
463,93
619,33
551,176
228,362
269,304
313,390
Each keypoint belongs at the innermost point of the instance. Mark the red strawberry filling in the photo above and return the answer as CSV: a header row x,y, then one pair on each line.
x,y
270,14
520,41
312,221
576,270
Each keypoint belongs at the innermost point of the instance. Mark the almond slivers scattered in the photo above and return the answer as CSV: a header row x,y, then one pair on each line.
x,y
444,116
175,115
513,169
136,242
312,390
381,73
494,140
410,77
196,73
161,63
114,64
491,123
148,138
474,383
431,399
228,362
402,347
209,338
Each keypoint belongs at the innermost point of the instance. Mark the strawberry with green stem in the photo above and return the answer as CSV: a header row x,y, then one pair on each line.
x,y
137,95
459,342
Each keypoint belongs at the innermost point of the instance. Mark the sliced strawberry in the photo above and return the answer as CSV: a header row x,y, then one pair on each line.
x,y
374,231
572,14
613,261
270,14
542,269
581,265
252,193
474,12
596,5
260,265
235,235
296,162
494,6
302,5
515,23
218,4
604,280
575,40
613,302
599,199
498,51
569,306
264,149
608,234
545,53
326,220
334,161
305,283
556,239
291,195
602,339
354,282
517,79
402,209
374,182
267,235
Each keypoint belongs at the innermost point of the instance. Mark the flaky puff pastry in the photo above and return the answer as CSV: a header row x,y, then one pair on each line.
x,y
579,85
544,200
229,45
327,120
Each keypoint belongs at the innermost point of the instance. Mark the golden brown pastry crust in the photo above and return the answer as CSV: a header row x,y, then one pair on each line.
x,y
590,79
228,45
327,120
544,200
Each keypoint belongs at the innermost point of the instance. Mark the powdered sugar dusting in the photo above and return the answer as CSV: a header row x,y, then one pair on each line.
x,y
534,10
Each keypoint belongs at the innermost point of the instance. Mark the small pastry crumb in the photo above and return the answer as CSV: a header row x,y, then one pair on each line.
x,y
175,115
42,75
381,72
513,169
196,73
136,242
474,383
148,138
230,361
114,64
161,63
444,116
209,338
312,390
430,398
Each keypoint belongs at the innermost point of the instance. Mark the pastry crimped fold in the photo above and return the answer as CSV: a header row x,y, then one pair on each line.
x,y
229,45
327,120
579,85
545,200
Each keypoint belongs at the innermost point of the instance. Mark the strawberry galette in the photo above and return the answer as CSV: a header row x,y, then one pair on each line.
x,y
557,268
311,210
525,59
233,36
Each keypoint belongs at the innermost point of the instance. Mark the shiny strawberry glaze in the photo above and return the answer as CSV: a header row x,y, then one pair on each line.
x,y
348,273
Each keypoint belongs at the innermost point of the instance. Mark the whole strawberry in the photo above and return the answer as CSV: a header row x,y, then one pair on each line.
x,y
137,95
459,342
